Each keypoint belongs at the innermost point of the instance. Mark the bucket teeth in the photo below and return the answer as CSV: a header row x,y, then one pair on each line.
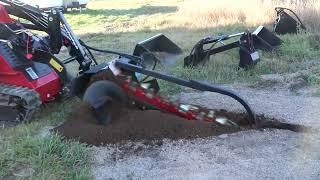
x,y
187,107
145,85
211,114
225,121
201,116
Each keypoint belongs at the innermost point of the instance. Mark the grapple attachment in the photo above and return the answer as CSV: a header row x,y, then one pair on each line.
x,y
162,48
260,39
285,23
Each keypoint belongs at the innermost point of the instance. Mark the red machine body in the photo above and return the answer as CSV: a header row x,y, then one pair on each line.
x,y
26,73
4,16
48,86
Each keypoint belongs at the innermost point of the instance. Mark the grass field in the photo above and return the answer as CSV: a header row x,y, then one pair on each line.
x,y
120,24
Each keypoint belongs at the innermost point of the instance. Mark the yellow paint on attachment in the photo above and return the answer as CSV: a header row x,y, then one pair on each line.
x,y
56,65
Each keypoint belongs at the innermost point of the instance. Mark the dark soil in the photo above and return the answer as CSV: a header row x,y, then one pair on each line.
x,y
149,125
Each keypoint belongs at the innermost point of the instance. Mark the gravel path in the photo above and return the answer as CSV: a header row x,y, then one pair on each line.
x,y
244,155
280,104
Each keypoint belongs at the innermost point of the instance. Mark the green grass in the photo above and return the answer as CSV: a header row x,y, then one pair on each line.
x,y
49,157
313,78
119,25
297,53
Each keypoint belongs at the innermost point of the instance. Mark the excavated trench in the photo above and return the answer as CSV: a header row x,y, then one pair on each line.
x,y
152,125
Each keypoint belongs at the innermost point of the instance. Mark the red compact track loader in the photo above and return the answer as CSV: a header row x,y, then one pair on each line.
x,y
31,73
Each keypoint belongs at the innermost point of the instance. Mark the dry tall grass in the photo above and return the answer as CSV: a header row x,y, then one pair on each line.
x,y
191,14
248,12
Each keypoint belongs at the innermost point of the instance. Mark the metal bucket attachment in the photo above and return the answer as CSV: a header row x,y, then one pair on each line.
x,y
249,56
285,23
161,47
264,39
248,59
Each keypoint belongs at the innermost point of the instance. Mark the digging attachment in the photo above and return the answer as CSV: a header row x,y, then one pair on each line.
x,y
106,99
161,47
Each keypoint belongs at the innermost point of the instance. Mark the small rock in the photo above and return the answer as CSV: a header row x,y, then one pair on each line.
x,y
223,136
45,131
269,80
297,84
26,172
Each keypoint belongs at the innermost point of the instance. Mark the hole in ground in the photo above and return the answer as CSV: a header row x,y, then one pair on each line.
x,y
150,125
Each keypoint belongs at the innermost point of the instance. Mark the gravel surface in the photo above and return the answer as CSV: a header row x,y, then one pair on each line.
x,y
253,154
243,155
281,105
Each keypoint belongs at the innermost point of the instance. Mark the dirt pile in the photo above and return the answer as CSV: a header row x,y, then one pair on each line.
x,y
137,125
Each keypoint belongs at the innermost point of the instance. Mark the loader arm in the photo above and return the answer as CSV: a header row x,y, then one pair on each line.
x,y
43,21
